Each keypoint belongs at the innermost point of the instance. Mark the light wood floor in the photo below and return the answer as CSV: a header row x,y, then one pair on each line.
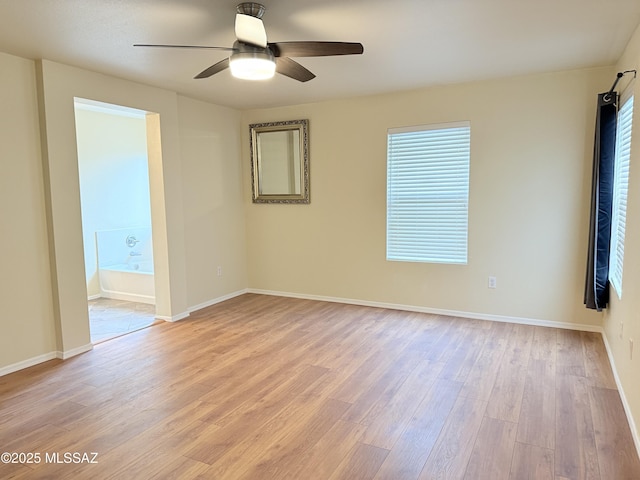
x,y
263,388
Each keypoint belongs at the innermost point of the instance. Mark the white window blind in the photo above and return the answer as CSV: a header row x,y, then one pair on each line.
x,y
428,193
620,187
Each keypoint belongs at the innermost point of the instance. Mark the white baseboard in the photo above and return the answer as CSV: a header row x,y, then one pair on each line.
x,y
223,298
623,397
30,362
128,297
200,306
436,311
94,297
173,318
74,351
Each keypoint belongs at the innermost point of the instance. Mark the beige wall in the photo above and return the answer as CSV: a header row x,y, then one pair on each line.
x,y
531,144
622,320
27,328
197,216
213,207
58,85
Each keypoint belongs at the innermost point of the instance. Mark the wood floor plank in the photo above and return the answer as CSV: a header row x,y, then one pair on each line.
x,y
616,456
247,455
361,463
158,444
598,369
386,425
570,353
493,450
441,343
324,457
272,387
505,400
281,456
462,356
450,454
532,463
506,397
27,440
575,453
537,421
159,464
179,468
254,416
372,369
481,380
544,344
374,397
410,452
14,471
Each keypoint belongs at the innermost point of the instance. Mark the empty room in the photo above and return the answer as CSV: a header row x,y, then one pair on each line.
x,y
319,240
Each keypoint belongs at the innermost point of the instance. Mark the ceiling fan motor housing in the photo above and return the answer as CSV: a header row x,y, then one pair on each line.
x,y
251,8
247,50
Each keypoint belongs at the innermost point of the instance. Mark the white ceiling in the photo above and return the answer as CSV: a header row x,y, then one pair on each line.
x,y
407,43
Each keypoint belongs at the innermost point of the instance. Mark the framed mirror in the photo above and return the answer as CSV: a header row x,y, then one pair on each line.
x,y
280,161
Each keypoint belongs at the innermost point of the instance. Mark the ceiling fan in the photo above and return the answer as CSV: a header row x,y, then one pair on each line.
x,y
253,58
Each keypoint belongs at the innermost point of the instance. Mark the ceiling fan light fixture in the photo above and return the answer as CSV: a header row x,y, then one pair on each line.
x,y
254,58
252,65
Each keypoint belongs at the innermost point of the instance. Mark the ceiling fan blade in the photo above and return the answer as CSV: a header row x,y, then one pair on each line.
x,y
184,46
293,69
315,49
250,30
213,69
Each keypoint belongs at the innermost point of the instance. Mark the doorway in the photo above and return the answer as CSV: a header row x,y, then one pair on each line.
x,y
116,217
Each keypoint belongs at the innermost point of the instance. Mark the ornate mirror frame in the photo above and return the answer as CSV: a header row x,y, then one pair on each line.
x,y
280,161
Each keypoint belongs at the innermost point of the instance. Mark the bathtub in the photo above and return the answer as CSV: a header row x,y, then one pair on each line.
x,y
133,281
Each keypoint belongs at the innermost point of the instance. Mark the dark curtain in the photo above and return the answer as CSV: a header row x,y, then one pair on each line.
x,y
596,294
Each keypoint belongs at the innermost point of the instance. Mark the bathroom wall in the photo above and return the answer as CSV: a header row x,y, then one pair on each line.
x,y
114,177
125,264
124,246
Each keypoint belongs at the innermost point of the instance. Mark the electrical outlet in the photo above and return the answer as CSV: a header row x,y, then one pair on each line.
x,y
219,271
492,282
631,348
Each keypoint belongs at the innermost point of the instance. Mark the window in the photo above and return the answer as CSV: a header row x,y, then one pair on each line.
x,y
428,193
620,187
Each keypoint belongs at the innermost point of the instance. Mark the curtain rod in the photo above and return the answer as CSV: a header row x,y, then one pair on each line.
x,y
618,77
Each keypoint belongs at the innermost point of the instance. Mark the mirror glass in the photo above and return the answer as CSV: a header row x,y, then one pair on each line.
x,y
280,162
